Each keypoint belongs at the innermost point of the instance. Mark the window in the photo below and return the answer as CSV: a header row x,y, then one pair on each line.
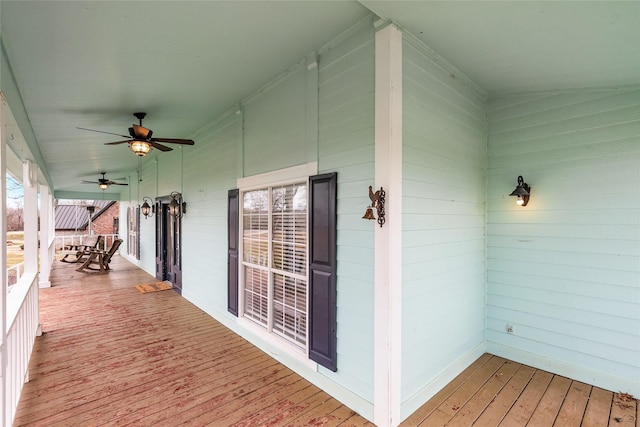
x,y
284,277
274,260
133,224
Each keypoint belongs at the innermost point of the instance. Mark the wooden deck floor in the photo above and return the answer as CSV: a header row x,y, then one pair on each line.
x,y
112,356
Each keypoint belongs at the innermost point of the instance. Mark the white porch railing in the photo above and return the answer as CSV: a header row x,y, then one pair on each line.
x,y
22,327
77,239
13,275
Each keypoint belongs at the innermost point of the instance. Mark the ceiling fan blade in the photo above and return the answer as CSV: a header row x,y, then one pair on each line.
x,y
101,131
117,142
89,182
118,183
174,140
159,146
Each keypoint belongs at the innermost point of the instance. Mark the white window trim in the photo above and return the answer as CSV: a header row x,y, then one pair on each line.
x,y
286,176
279,177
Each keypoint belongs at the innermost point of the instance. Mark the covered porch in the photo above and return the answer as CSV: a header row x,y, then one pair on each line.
x,y
110,355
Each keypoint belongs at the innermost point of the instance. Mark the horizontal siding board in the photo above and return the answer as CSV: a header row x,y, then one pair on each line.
x,y
443,176
554,156
568,300
575,360
592,251
615,339
442,221
415,58
580,139
590,288
587,104
451,160
443,191
620,116
550,272
471,249
345,146
565,270
571,231
597,321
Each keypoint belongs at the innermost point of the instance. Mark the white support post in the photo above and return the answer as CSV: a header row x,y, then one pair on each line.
x,y
3,255
388,239
30,185
45,236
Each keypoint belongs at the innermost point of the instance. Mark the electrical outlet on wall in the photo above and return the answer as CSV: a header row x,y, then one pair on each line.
x,y
509,329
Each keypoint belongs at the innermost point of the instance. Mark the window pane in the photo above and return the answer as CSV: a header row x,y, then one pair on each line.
x,y
279,213
290,228
290,308
255,217
256,298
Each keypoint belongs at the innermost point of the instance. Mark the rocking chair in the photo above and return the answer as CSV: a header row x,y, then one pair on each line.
x,y
74,253
100,258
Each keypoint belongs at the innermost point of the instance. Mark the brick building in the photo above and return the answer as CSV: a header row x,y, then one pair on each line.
x,y
73,220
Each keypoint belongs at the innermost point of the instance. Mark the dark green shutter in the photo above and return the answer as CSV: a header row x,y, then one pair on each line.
x,y
232,251
322,270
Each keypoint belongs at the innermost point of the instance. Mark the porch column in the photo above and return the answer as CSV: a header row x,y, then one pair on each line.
x,y
30,184
3,256
46,240
388,238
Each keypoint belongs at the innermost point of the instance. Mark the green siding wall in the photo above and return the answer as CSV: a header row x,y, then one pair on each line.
x,y
274,125
564,271
444,168
345,145
272,130
210,173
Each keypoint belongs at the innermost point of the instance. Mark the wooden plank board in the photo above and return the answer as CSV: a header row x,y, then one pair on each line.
x,y
425,410
598,408
450,407
574,405
623,411
468,414
498,408
547,410
528,401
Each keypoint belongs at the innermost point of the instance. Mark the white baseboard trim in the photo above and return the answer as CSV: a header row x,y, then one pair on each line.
x,y
584,374
445,377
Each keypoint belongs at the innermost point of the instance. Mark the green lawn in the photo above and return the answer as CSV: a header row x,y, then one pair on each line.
x,y
15,255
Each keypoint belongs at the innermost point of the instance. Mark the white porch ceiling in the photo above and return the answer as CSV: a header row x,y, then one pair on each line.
x,y
93,63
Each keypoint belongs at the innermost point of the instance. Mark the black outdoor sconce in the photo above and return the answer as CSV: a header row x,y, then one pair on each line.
x,y
522,191
377,202
148,208
177,207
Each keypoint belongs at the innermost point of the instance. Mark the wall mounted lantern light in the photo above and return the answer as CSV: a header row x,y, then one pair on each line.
x,y
522,191
377,202
148,208
177,207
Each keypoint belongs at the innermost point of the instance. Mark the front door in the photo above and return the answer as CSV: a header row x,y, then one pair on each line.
x,y
168,245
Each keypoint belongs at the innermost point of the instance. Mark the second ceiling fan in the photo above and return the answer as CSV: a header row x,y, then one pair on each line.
x,y
104,183
140,139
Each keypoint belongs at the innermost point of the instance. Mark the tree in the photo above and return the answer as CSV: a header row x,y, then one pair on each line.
x,y
15,204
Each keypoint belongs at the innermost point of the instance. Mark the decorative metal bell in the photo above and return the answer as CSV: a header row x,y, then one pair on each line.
x,y
368,213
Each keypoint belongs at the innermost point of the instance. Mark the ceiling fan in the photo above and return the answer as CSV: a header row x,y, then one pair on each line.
x,y
140,138
104,183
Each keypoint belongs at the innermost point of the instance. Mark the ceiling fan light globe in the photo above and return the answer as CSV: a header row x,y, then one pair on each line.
x,y
140,148
103,186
